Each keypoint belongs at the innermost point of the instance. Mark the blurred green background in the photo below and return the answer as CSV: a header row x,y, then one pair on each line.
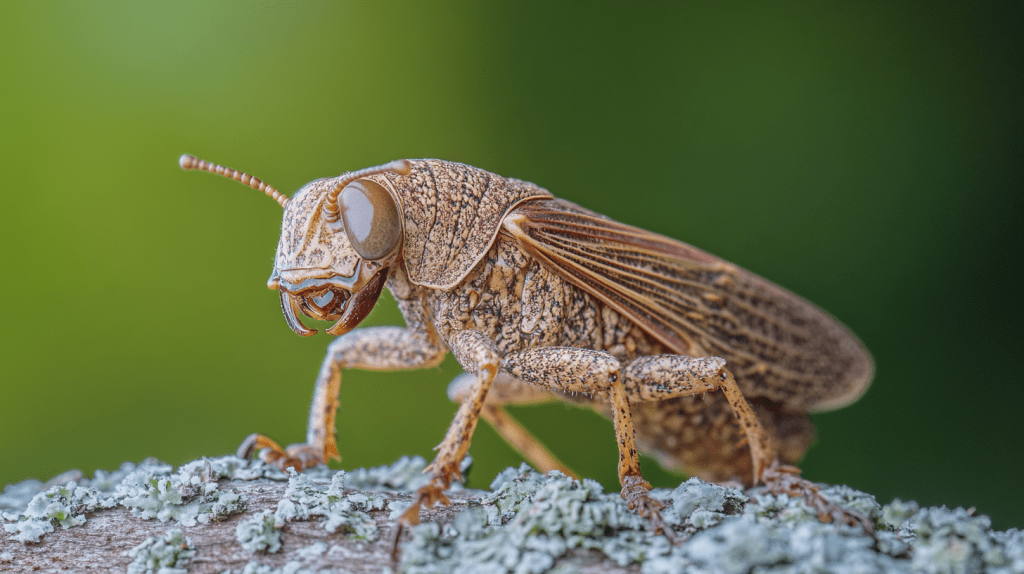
x,y
867,157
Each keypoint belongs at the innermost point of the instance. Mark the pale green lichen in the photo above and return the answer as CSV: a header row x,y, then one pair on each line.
x,y
304,499
291,567
526,524
167,554
150,490
190,496
258,533
63,506
700,504
898,512
404,474
784,508
537,523
748,543
312,551
531,522
952,541
16,497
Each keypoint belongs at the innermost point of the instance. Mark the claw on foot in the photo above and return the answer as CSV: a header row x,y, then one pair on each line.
x,y
299,456
785,479
635,491
427,497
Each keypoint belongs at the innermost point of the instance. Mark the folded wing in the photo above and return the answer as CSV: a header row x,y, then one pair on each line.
x,y
778,345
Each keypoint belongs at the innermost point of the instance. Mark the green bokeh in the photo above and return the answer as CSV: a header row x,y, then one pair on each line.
x,y
867,157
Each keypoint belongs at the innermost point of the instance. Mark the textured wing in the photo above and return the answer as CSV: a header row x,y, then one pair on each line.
x,y
777,345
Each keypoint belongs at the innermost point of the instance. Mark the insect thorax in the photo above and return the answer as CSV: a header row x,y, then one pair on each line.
x,y
517,303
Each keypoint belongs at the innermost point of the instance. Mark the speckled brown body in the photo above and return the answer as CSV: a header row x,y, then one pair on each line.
x,y
517,303
710,367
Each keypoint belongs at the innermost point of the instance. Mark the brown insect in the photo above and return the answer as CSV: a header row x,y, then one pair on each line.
x,y
540,299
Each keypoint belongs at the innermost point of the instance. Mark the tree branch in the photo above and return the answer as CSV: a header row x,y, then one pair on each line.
x,y
222,515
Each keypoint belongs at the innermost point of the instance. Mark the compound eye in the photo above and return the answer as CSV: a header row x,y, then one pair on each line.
x,y
371,219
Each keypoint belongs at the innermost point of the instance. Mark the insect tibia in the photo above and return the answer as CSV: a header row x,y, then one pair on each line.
x,y
190,162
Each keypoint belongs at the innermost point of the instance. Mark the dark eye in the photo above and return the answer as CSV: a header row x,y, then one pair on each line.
x,y
371,219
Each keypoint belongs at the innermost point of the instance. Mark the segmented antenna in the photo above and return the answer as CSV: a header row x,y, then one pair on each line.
x,y
331,210
188,162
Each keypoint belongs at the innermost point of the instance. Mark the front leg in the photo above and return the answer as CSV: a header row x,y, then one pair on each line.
x,y
373,349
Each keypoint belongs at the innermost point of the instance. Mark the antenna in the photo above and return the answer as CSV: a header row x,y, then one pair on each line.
x,y
190,162
331,210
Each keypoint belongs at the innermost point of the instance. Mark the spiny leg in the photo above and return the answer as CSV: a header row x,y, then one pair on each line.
x,y
653,378
635,488
508,390
699,436
571,369
663,377
478,355
781,479
375,349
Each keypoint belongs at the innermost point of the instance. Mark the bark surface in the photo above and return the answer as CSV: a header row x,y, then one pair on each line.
x,y
253,519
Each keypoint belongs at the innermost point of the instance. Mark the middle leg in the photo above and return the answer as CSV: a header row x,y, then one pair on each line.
x,y
507,390
478,355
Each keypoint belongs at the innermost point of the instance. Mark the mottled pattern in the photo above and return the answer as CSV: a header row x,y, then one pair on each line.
x,y
699,436
691,375
308,242
564,369
452,213
521,305
530,313
535,294
478,355
475,352
778,345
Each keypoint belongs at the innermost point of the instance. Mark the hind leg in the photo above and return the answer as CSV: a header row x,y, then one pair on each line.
x,y
666,377
698,436
646,379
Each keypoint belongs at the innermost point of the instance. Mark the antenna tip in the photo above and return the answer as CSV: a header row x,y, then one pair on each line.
x,y
187,161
